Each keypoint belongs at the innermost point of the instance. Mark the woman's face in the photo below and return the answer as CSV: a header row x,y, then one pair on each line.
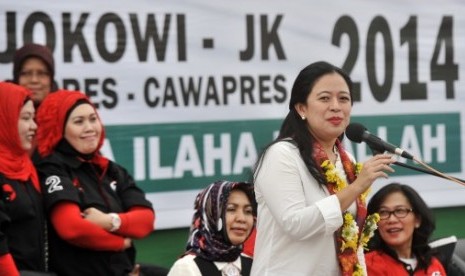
x,y
26,125
35,76
83,129
328,107
398,232
239,217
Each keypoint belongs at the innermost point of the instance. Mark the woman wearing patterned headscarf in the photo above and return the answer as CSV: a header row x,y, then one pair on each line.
x,y
22,224
94,205
224,215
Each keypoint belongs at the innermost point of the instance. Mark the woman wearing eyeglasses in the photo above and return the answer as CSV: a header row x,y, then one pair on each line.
x,y
34,68
400,244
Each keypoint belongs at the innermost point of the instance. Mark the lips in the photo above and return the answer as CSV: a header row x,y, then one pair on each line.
x,y
394,230
35,90
239,231
93,137
335,120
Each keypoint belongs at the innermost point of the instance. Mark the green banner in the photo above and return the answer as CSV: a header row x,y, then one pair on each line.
x,y
174,157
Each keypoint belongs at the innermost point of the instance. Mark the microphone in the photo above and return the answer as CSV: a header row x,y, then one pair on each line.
x,y
358,133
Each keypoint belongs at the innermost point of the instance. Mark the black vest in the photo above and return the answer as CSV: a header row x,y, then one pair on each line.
x,y
208,268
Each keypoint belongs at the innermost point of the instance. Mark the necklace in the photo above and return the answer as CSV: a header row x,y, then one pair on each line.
x,y
355,232
230,270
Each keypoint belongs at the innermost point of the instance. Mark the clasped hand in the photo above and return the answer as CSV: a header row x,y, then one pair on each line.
x,y
103,220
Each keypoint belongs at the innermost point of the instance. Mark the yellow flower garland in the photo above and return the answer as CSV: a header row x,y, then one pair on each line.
x,y
350,228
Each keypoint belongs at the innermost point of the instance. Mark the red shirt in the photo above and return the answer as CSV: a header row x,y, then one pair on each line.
x,y
379,263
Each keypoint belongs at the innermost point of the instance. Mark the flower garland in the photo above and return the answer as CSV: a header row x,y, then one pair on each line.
x,y
350,236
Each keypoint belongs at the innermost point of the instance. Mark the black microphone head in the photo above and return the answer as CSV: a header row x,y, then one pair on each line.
x,y
354,132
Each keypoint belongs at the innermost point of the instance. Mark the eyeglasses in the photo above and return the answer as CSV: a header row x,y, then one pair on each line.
x,y
40,74
399,213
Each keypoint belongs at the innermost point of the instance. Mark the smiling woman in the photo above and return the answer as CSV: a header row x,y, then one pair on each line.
x,y
400,244
22,223
26,125
223,219
94,206
83,130
310,191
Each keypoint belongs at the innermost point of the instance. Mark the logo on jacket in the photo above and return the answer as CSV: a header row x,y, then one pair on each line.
x,y
54,184
9,193
113,185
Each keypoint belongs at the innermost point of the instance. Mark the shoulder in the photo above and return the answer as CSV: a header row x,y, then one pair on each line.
x,y
380,263
6,180
286,146
185,260
246,264
117,170
377,255
436,267
281,153
377,259
54,160
3,179
185,266
8,187
114,165
245,257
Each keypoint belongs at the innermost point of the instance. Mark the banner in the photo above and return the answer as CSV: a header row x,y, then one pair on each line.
x,y
191,91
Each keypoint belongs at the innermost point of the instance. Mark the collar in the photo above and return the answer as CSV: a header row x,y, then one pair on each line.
x,y
236,263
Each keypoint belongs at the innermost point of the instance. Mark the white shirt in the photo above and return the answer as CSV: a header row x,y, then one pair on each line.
x,y
186,266
297,218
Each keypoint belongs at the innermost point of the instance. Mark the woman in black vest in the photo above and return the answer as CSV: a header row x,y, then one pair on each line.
x,y
22,222
223,219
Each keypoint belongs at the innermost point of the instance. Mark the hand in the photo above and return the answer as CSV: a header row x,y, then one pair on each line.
x,y
376,167
135,271
98,217
127,243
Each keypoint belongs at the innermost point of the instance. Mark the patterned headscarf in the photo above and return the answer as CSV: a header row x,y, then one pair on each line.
x,y
208,238
14,160
51,118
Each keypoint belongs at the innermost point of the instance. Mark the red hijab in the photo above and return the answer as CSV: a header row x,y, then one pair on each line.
x,y
51,117
14,160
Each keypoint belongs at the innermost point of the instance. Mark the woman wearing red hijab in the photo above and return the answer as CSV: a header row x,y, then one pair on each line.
x,y
94,205
22,224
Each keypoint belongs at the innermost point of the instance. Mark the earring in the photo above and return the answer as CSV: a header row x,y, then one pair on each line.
x,y
303,118
220,224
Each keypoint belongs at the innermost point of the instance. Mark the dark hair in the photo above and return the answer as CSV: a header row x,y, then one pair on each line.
x,y
421,235
293,126
248,190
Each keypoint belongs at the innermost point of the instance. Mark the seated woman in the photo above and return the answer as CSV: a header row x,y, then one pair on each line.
x,y
400,244
223,219
94,205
